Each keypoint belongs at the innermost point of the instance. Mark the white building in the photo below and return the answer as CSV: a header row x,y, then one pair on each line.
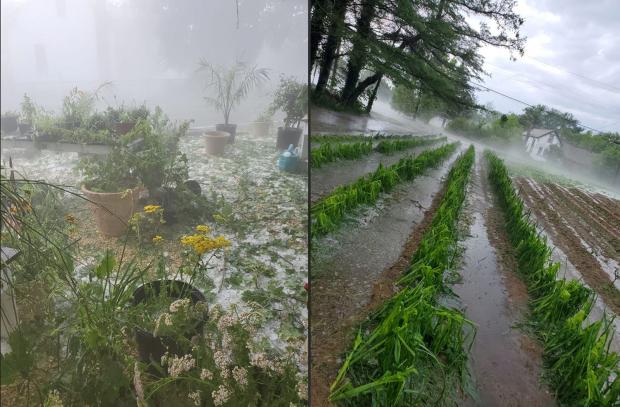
x,y
538,142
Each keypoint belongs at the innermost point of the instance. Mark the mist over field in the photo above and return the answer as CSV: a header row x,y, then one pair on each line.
x,y
148,50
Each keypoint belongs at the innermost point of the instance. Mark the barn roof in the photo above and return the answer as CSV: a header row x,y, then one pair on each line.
x,y
538,133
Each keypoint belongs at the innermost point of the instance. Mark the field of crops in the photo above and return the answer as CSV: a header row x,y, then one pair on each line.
x,y
466,285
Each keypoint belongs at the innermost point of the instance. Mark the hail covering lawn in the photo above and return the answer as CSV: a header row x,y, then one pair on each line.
x,y
579,365
267,265
413,350
328,213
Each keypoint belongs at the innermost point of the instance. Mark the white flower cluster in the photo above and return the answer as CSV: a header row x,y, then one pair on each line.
x,y
178,366
302,390
221,395
206,375
166,319
240,375
137,382
182,304
53,399
226,321
195,397
261,360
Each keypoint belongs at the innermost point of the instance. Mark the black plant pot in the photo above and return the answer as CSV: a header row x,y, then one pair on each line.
x,y
228,128
8,124
25,128
151,348
288,136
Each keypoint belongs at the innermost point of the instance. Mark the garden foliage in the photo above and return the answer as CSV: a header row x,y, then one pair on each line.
x,y
579,365
329,212
413,350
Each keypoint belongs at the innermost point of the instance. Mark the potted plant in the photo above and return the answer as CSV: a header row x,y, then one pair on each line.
x,y
48,128
8,123
28,115
112,189
173,311
231,86
292,98
262,125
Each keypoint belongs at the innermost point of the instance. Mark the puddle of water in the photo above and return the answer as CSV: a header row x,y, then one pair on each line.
x,y
505,363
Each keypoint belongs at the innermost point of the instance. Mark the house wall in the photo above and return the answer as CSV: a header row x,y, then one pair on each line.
x,y
537,147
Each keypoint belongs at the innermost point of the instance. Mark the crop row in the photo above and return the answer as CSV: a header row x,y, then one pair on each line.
x,y
329,211
336,138
579,365
413,350
329,152
391,146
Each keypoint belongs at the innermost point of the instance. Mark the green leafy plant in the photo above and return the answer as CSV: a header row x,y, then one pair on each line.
x,y
392,146
579,364
29,110
413,350
329,212
292,98
231,85
350,151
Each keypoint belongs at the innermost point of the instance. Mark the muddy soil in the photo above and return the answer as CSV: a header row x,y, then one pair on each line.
x,y
325,179
351,270
506,364
586,228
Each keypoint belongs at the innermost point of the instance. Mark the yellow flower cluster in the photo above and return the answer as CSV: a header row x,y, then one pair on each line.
x,y
151,208
157,239
203,228
202,243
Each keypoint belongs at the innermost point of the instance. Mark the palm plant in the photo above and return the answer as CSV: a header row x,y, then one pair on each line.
x,y
232,84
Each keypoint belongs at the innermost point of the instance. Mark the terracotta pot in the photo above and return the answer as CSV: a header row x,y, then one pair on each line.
x,y
112,210
288,136
228,128
216,142
261,129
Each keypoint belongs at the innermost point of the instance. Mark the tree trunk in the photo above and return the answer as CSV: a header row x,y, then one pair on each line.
x,y
320,10
358,53
331,45
361,87
374,95
334,76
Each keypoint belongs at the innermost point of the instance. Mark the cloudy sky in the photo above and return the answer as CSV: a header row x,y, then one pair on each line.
x,y
571,62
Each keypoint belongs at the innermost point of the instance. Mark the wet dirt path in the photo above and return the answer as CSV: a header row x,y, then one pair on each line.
x,y
505,363
325,179
590,243
350,269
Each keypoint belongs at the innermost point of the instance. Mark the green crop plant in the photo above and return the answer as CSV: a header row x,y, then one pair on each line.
x,y
331,210
391,146
329,152
413,350
579,364
337,138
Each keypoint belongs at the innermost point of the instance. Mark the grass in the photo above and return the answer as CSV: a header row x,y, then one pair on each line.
x,y
579,365
413,350
328,213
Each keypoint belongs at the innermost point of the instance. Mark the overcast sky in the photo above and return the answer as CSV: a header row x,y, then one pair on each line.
x,y
571,62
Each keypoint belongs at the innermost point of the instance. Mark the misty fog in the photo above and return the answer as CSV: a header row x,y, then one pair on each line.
x,y
149,50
